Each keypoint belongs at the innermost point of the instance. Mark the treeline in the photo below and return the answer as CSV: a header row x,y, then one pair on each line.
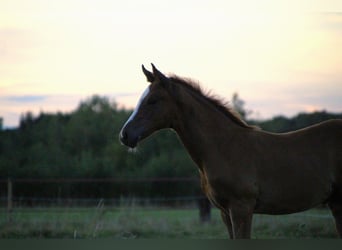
x,y
84,144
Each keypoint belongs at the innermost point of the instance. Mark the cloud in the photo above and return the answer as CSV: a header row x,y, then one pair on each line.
x,y
26,98
291,99
125,94
330,21
13,106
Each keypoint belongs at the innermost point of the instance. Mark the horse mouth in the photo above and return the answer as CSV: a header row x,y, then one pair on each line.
x,y
131,145
129,141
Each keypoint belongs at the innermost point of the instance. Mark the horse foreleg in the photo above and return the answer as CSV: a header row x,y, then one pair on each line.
x,y
228,222
241,217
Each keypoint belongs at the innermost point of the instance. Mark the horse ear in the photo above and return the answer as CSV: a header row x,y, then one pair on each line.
x,y
157,74
149,76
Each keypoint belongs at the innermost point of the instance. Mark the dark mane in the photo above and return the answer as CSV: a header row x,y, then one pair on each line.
x,y
216,101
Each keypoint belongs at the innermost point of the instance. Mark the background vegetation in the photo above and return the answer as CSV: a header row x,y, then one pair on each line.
x,y
84,144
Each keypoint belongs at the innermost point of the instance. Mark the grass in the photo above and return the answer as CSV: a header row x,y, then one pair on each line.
x,y
154,223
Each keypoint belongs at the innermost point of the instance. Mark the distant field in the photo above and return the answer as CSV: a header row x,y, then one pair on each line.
x,y
154,223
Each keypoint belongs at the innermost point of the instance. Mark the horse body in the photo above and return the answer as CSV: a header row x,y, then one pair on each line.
x,y
243,170
300,169
286,172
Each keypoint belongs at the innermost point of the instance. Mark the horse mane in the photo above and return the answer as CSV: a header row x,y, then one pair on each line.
x,y
218,102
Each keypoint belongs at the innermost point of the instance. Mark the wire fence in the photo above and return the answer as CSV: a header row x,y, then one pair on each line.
x,y
27,201
12,198
101,180
113,192
89,190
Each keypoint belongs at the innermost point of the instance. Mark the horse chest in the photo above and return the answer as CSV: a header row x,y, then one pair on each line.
x,y
220,191
209,191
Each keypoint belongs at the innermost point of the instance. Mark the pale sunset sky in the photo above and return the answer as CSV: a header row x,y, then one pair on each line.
x,y
282,57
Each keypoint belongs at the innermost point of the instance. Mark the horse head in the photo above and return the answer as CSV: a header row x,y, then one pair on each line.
x,y
153,112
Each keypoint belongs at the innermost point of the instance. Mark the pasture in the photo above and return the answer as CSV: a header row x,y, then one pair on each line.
x,y
134,222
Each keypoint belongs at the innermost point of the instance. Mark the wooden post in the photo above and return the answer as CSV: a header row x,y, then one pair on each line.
x,y
9,199
204,209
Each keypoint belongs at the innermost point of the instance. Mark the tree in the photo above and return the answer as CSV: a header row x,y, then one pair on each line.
x,y
239,106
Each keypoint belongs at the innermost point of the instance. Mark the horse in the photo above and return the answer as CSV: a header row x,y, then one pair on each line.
x,y
243,169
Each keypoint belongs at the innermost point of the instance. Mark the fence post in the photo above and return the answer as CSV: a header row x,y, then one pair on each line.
x,y
9,199
204,209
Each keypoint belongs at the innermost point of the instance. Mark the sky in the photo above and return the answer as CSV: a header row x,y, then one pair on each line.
x,y
281,57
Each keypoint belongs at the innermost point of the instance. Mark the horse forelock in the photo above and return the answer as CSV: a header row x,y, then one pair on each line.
x,y
218,102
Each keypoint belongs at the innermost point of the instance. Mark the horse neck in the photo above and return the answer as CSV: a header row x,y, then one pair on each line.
x,y
201,126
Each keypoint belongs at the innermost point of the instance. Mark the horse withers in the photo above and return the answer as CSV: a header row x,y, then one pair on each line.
x,y
243,169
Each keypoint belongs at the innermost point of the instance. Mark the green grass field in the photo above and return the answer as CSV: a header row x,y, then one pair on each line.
x,y
154,223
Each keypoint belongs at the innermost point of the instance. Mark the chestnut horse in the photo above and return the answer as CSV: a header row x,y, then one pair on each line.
x,y
243,169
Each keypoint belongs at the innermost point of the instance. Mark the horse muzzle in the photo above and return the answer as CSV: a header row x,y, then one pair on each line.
x,y
130,136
